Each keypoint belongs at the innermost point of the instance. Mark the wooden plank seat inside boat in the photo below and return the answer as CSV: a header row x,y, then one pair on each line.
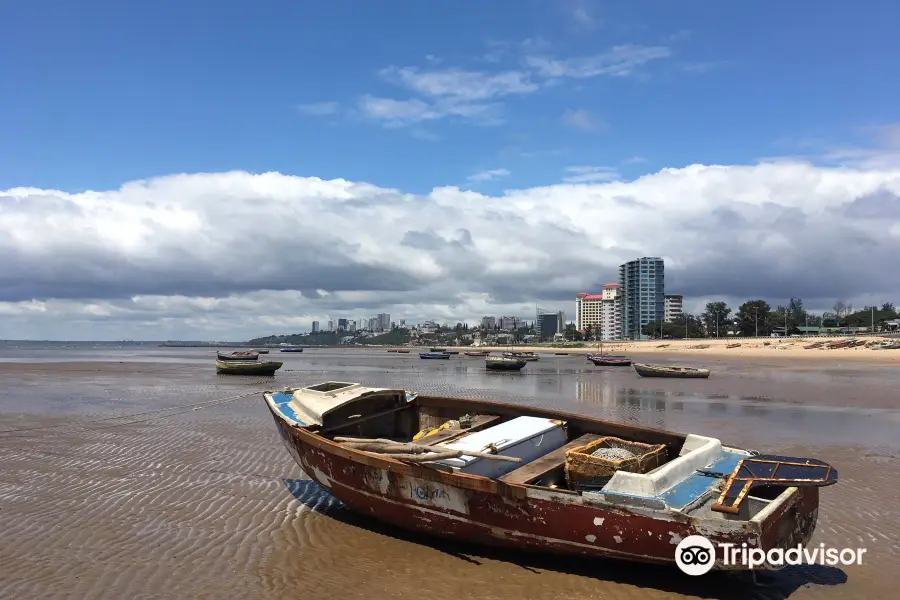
x,y
551,461
479,422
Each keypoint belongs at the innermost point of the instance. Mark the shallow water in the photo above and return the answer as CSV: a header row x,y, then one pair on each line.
x,y
98,500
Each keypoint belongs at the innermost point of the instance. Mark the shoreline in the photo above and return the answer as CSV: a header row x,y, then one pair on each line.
x,y
753,349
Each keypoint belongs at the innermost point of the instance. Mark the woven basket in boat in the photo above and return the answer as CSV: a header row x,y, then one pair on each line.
x,y
583,467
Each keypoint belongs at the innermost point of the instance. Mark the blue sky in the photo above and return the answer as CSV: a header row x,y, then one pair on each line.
x,y
475,158
97,93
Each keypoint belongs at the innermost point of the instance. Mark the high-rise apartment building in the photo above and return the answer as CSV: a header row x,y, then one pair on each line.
x,y
674,307
384,321
342,324
548,324
601,312
510,323
643,290
315,327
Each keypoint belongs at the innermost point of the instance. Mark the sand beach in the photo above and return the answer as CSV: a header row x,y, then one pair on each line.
x,y
751,348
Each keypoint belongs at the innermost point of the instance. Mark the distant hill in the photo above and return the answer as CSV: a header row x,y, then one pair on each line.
x,y
395,337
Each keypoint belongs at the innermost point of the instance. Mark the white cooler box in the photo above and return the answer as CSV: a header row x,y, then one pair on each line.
x,y
527,438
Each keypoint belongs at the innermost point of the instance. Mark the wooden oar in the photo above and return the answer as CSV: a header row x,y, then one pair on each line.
x,y
438,452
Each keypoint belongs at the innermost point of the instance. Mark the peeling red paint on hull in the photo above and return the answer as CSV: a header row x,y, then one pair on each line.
x,y
423,500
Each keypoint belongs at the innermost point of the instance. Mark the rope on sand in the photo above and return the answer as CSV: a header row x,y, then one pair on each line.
x,y
150,415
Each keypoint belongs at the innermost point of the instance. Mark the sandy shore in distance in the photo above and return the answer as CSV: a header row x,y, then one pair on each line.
x,y
757,348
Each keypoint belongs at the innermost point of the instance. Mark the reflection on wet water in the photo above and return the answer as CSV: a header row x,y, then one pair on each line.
x,y
798,423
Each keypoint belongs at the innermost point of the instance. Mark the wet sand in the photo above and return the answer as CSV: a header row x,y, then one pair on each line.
x,y
100,497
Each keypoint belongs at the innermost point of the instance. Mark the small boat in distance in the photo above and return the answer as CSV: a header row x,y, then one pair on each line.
x,y
246,367
478,353
238,355
648,370
601,360
437,349
292,349
434,355
403,351
529,478
504,363
527,356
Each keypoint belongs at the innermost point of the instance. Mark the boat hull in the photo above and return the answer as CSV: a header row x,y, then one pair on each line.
x,y
504,366
489,512
238,356
611,362
662,371
247,367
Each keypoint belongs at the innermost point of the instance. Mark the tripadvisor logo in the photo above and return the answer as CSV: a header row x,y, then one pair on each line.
x,y
696,555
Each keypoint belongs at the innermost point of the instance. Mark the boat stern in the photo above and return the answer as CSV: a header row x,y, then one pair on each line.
x,y
786,522
790,523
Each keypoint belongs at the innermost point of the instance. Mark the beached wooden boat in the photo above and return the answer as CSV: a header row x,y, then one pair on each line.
x,y
648,370
438,349
607,360
504,363
527,478
260,350
524,355
478,353
434,355
246,367
295,349
238,355
403,351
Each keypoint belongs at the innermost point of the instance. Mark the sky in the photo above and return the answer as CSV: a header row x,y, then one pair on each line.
x,y
169,170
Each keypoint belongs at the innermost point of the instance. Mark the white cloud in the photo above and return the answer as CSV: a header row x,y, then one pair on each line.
x,y
319,109
590,174
581,118
235,255
488,175
446,93
460,85
398,113
881,152
478,96
618,61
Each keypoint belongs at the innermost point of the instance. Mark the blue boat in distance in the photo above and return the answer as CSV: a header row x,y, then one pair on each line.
x,y
295,349
434,355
